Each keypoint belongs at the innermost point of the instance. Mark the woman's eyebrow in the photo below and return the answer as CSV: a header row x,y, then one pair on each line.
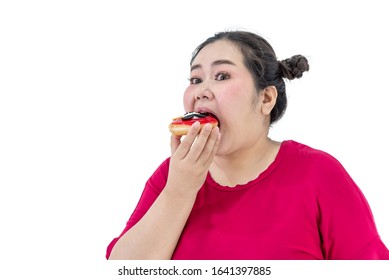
x,y
215,63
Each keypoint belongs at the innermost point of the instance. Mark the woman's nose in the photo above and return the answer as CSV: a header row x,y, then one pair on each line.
x,y
204,94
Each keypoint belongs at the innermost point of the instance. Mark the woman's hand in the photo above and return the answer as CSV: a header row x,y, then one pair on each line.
x,y
191,158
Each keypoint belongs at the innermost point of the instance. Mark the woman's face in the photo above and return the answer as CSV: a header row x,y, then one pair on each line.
x,y
222,85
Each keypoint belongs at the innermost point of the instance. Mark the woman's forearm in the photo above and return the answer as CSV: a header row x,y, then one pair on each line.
x,y
156,235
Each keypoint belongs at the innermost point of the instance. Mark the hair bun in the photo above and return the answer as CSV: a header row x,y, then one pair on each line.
x,y
293,67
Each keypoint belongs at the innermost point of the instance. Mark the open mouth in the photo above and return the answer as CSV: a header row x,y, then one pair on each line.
x,y
191,115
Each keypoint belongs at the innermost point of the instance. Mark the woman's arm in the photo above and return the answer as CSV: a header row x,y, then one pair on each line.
x,y
155,236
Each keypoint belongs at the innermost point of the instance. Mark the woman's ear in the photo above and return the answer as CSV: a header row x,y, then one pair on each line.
x,y
269,98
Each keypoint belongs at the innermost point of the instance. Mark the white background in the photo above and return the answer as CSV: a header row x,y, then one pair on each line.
x,y
88,88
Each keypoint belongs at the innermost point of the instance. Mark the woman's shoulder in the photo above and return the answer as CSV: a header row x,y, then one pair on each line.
x,y
311,159
321,172
300,151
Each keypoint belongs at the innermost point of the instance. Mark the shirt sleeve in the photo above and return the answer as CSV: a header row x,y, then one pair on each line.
x,y
153,188
345,221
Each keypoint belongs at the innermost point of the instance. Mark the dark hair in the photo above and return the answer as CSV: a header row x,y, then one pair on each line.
x,y
260,59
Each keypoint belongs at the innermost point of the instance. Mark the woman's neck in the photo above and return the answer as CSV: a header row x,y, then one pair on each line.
x,y
245,165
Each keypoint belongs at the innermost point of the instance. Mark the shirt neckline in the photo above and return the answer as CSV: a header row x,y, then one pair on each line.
x,y
281,152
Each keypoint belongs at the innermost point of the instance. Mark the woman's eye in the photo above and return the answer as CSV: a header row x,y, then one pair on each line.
x,y
194,80
222,76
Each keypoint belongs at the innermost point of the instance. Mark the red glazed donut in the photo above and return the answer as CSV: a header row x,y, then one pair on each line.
x,y
180,125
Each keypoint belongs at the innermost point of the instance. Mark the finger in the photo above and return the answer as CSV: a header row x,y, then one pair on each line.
x,y
201,141
208,158
210,145
186,144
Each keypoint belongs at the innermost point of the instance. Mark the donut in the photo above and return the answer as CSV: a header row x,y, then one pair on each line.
x,y
180,125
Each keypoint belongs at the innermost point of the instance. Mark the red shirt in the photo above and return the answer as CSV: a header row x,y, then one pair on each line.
x,y
303,206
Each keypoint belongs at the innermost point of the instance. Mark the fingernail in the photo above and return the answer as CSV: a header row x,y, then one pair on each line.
x,y
208,126
196,124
